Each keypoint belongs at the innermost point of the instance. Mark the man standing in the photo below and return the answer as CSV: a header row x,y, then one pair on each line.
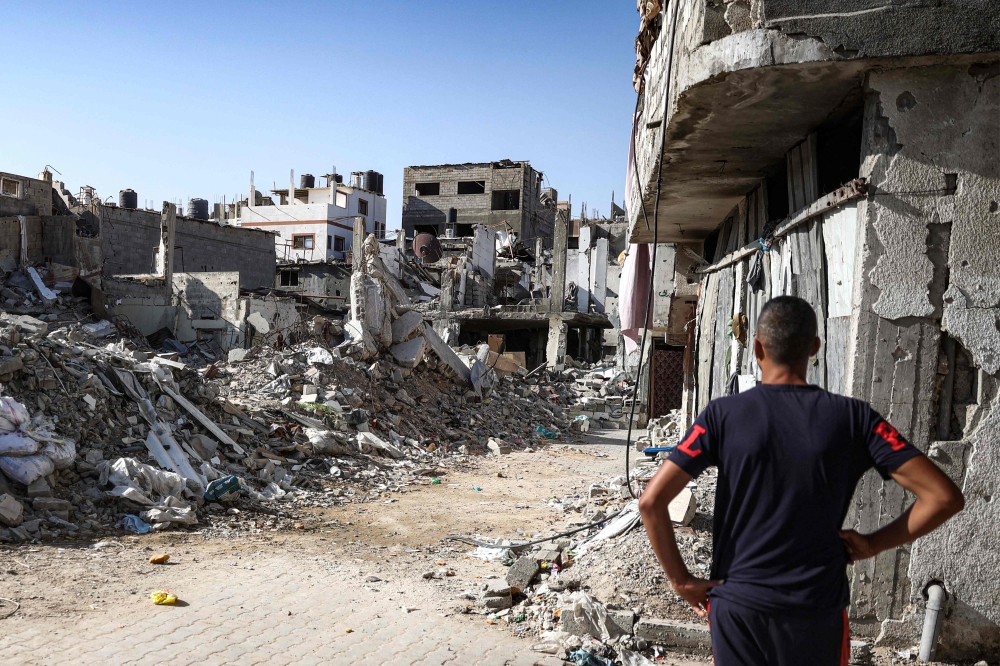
x,y
789,456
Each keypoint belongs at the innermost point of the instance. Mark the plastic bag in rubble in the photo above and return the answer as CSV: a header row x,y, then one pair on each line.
x,y
325,443
225,489
590,615
16,444
170,510
26,469
12,415
630,658
586,658
62,453
319,355
138,482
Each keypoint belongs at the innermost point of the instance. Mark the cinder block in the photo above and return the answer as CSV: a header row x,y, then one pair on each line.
x,y
675,634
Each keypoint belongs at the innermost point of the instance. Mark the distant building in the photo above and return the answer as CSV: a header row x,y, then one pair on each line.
x,y
317,223
449,200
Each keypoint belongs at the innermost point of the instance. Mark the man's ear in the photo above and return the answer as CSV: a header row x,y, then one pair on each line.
x,y
758,350
816,345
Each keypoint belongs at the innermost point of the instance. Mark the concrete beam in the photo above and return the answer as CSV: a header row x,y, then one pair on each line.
x,y
557,294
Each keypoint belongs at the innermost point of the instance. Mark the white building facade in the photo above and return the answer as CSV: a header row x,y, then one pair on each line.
x,y
317,223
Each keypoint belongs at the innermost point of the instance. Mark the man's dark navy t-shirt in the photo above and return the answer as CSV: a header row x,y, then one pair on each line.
x,y
789,458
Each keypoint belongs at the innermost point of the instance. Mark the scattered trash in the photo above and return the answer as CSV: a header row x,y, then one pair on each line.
x,y
134,523
585,658
163,598
225,489
159,559
477,488
547,434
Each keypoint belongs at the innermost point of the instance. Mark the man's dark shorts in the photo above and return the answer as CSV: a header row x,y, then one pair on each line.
x,y
743,636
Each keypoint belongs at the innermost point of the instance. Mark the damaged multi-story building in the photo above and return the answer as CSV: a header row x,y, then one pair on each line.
x,y
153,273
847,153
449,200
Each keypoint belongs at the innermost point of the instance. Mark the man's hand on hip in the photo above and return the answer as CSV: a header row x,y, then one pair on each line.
x,y
695,592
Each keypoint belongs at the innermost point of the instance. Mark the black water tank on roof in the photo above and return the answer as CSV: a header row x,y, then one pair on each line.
x,y
379,190
128,199
306,180
198,209
371,181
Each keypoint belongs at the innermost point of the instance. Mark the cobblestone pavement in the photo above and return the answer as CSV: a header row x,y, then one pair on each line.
x,y
271,609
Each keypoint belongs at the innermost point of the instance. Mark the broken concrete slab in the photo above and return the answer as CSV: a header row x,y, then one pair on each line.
x,y
446,353
10,364
618,623
547,555
409,354
31,326
406,326
497,595
48,296
237,355
257,320
668,633
39,488
683,507
522,572
11,511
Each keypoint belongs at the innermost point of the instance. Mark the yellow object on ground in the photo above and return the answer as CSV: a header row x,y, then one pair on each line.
x,y
159,559
162,597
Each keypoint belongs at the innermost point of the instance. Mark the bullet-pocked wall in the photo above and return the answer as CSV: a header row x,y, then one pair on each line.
x,y
130,238
928,272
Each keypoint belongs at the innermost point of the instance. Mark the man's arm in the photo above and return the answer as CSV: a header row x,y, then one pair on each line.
x,y
653,503
938,499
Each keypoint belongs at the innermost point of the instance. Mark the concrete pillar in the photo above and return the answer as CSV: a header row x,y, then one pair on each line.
x,y
165,253
401,243
555,348
447,290
359,237
583,286
557,294
291,187
599,273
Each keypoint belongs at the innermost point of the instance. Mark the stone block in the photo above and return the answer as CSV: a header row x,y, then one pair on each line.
x,y
39,488
682,508
668,633
497,595
547,555
404,328
10,364
11,511
409,354
51,504
522,572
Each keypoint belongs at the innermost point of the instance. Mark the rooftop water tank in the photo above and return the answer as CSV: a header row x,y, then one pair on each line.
x,y
379,190
306,181
371,181
198,209
128,199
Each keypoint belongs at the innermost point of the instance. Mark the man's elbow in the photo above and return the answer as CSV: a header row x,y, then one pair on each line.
x,y
648,502
954,502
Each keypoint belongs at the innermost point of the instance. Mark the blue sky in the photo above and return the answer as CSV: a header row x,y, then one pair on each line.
x,y
184,99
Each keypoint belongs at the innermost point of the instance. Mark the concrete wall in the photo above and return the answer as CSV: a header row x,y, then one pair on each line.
x,y
34,197
208,306
319,279
129,238
927,263
10,236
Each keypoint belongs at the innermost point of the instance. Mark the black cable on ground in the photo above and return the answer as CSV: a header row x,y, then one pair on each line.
x,y
656,229
474,542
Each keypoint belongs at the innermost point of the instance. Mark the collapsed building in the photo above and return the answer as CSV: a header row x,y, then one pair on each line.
x,y
845,153
151,272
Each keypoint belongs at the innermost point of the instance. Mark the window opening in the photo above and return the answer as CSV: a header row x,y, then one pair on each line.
x,y
472,187
428,189
303,242
506,199
362,207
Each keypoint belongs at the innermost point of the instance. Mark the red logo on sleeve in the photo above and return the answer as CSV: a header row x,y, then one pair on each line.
x,y
890,435
685,446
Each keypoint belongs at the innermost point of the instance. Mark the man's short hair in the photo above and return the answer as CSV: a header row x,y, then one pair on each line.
x,y
786,328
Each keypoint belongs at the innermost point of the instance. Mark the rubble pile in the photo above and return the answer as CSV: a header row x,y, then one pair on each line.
x,y
111,435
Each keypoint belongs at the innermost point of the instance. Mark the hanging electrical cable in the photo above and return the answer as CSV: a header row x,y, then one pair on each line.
x,y
656,230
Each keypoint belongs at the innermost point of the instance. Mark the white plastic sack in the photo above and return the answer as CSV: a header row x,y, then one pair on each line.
x,y
12,415
319,355
590,615
630,658
13,444
27,469
171,510
138,482
325,443
62,453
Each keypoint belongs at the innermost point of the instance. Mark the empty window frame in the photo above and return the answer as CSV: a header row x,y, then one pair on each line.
x,y
341,200
338,243
288,278
506,199
304,242
362,206
428,189
472,187
10,187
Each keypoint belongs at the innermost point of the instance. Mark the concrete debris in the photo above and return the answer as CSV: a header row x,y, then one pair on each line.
x,y
683,507
11,511
409,354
